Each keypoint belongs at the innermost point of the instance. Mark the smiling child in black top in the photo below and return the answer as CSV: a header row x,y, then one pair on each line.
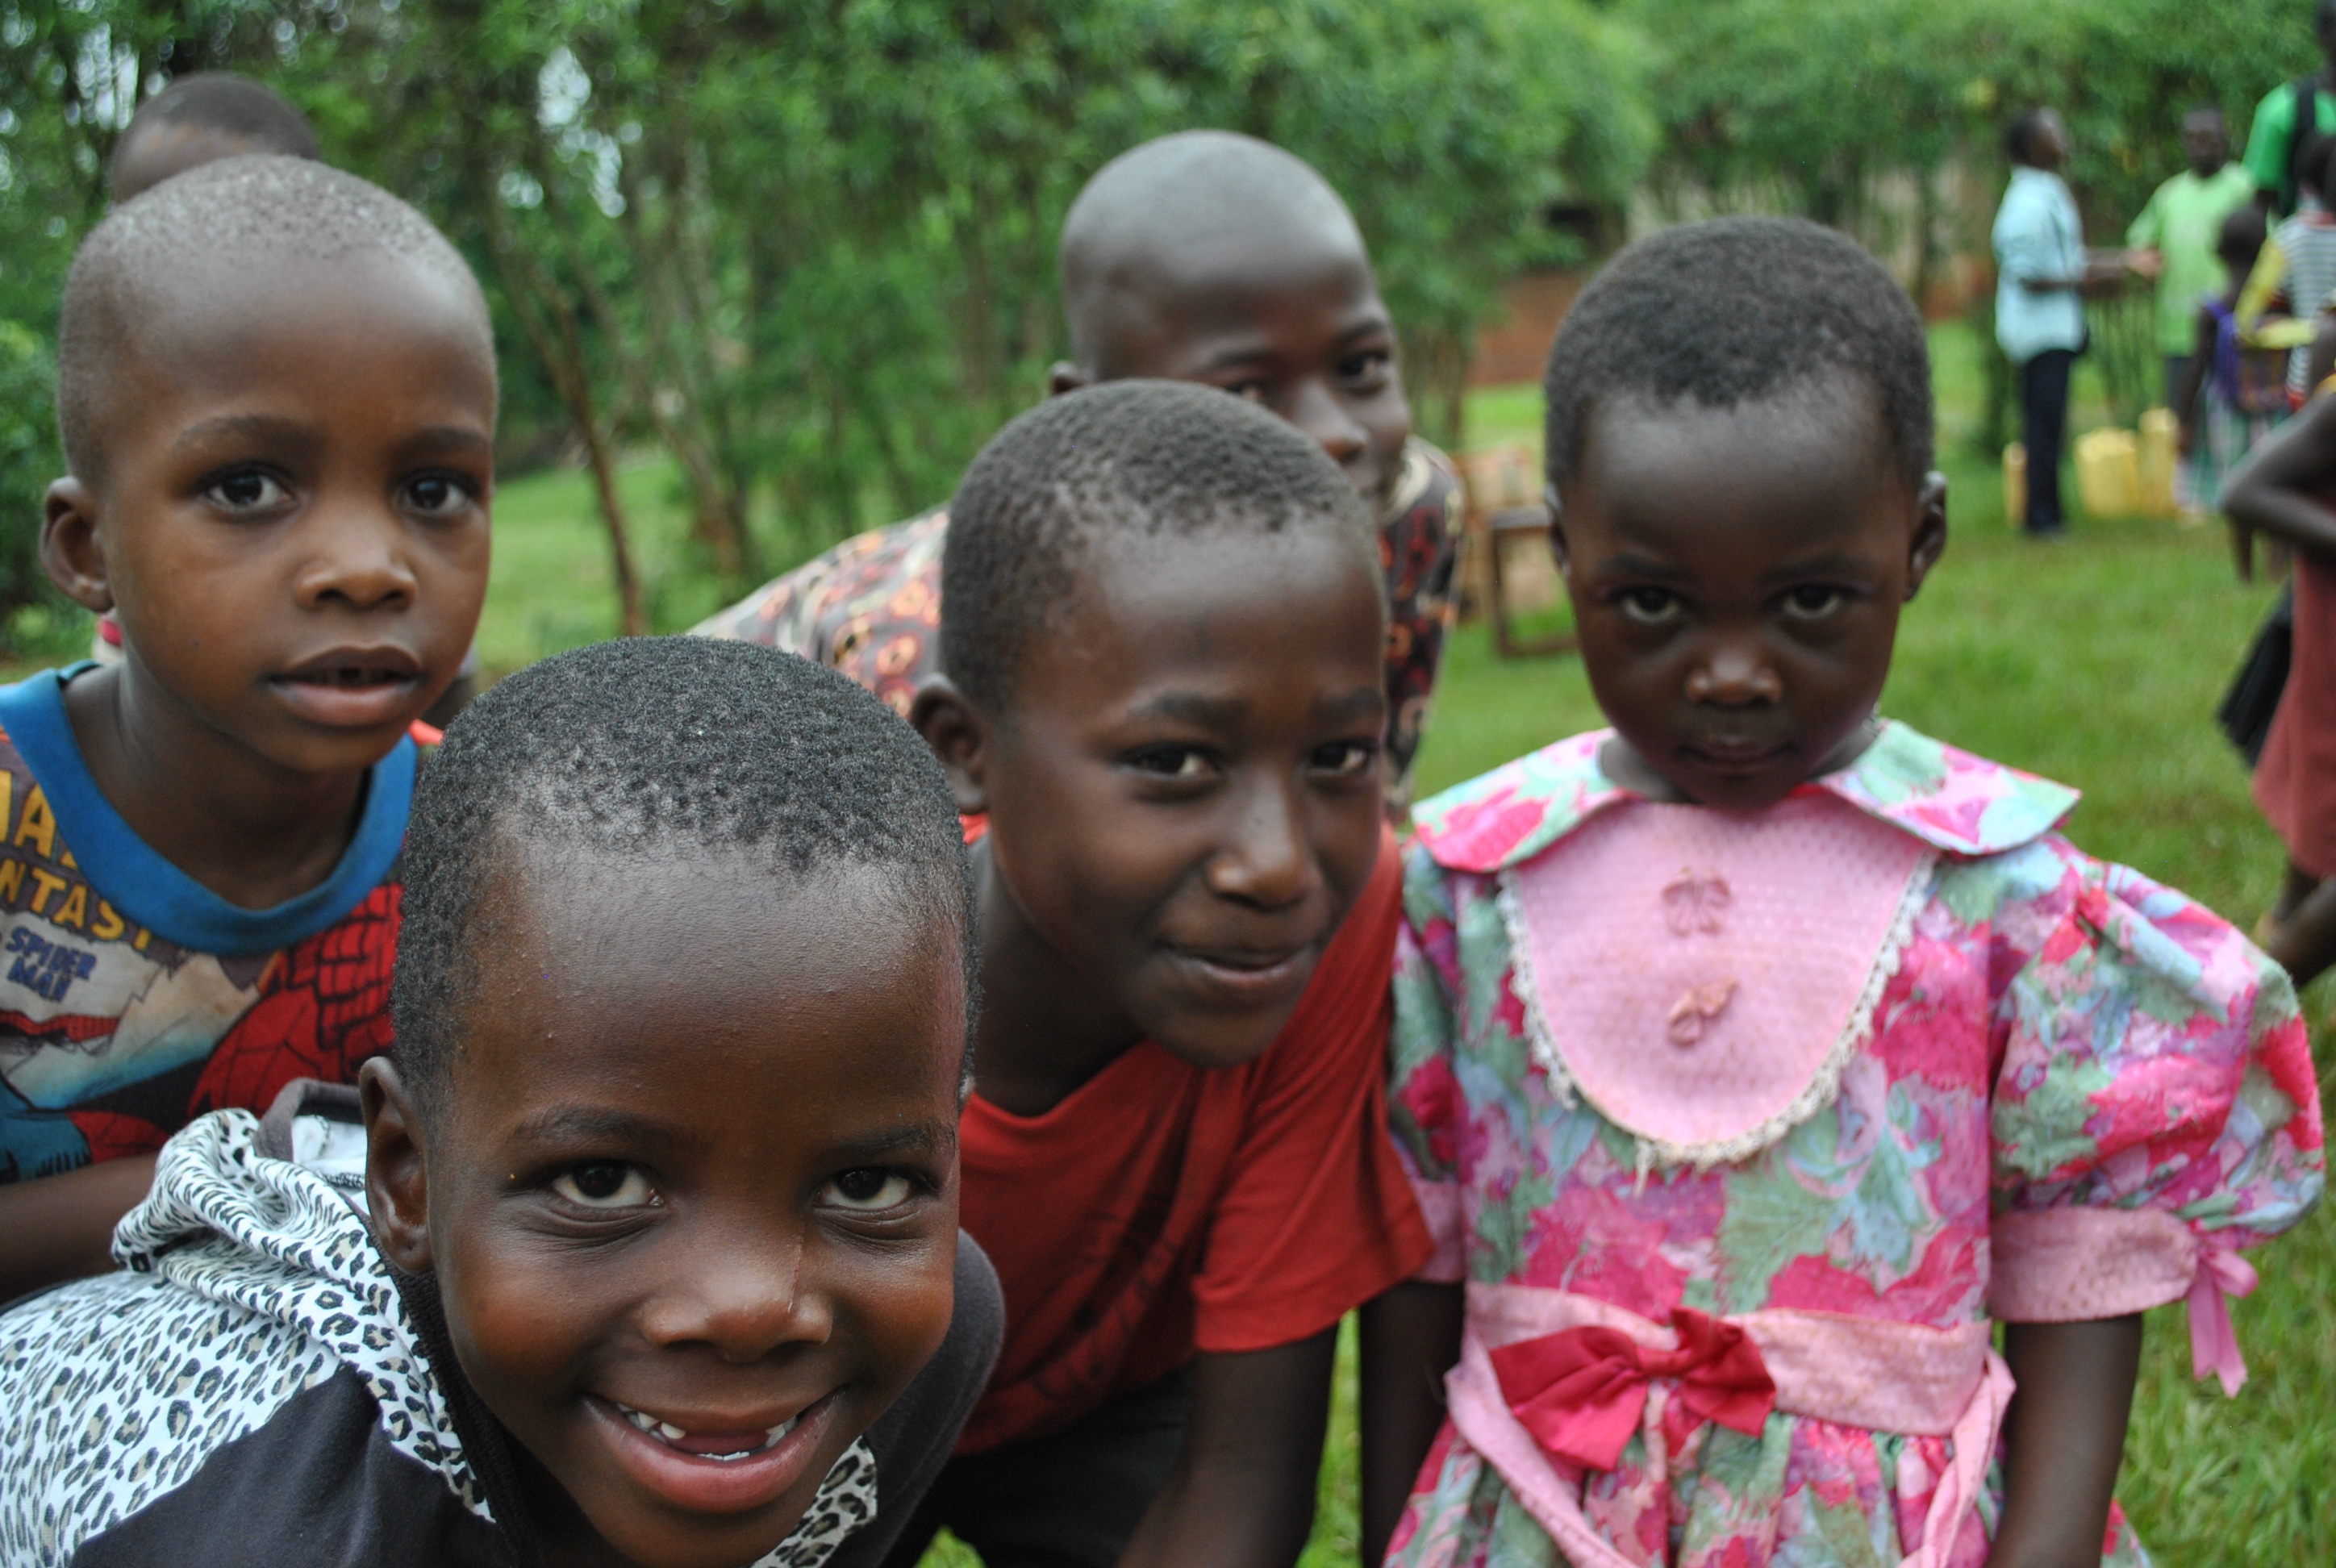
x,y
647,1252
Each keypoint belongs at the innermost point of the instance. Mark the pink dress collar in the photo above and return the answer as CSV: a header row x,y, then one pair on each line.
x,y
1948,798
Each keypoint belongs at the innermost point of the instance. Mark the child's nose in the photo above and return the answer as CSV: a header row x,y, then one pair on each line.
x,y
356,556
1268,859
1734,675
744,1302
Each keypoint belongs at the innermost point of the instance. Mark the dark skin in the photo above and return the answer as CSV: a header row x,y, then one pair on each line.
x,y
159,149
1283,311
292,522
1182,791
1737,578
698,1159
2282,489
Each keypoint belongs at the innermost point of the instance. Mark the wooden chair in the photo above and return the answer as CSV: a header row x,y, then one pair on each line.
x,y
1505,512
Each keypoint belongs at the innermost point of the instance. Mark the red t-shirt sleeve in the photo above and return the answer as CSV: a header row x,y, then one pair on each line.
x,y
1316,1217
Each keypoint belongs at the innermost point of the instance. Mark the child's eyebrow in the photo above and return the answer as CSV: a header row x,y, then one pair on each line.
x,y
270,428
441,440
1835,563
1629,564
563,1123
1363,705
918,1137
1191,707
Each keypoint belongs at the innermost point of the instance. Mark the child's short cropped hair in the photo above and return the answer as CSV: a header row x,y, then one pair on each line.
x,y
1736,310
662,744
228,105
236,212
1138,457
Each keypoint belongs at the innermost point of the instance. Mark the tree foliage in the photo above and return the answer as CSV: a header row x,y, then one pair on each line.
x,y
807,245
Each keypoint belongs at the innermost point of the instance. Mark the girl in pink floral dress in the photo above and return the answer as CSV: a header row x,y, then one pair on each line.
x,y
1756,1057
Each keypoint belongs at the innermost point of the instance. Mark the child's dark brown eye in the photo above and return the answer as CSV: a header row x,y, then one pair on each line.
x,y
435,493
1172,761
605,1184
1814,603
247,490
869,1188
1650,606
1344,758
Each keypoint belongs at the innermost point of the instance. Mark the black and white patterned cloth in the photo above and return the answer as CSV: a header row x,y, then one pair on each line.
x,y
258,1387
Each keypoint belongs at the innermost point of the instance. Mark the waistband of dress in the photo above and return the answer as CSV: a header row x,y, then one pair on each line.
x,y
1882,1376
1869,1372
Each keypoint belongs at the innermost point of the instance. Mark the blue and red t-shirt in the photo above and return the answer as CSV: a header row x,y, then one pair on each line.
x,y
133,998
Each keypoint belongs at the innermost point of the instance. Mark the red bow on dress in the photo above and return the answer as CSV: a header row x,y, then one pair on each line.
x,y
1583,1391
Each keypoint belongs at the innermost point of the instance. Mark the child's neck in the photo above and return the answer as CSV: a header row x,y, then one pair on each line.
x,y
252,831
1043,1028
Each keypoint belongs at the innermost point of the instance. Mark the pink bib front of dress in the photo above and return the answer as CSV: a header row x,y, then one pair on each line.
x,y
1702,976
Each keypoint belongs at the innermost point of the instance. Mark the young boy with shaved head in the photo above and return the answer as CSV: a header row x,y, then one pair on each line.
x,y
642,1251
276,390
198,120
1204,257
1163,696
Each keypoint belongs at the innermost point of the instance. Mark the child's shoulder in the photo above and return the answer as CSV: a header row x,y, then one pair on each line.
x,y
257,1287
1953,799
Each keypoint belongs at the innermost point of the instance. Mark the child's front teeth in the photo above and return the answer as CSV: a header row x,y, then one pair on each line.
x,y
664,1430
673,1434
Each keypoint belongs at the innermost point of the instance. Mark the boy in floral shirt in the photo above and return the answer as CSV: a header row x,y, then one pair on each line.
x,y
1203,257
1755,1055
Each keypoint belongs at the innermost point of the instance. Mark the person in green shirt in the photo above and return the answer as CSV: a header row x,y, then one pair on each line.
x,y
2281,125
2174,240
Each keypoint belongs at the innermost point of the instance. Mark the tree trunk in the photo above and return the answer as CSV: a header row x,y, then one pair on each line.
x,y
561,354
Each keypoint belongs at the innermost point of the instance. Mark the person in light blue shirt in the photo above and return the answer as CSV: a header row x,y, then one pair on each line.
x,y
2039,314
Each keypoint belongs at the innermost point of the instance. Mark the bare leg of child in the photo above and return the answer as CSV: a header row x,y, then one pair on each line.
x,y
2303,933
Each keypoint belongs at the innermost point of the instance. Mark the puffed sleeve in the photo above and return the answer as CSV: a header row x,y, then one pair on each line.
x,y
1424,1100
2155,1111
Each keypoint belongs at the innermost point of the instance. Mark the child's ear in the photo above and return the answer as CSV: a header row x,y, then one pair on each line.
x,y
1929,541
69,551
398,1170
957,729
1557,546
1064,376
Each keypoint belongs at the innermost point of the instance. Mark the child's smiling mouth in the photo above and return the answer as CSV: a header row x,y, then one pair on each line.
x,y
707,1445
715,1465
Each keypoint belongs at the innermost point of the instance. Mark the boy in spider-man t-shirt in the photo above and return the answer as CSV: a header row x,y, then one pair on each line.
x,y
276,390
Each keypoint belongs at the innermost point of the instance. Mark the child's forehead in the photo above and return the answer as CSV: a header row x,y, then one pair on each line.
x,y
1218,571
1797,462
1222,275
213,316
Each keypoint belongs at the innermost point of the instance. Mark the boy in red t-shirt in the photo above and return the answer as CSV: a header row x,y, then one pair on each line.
x,y
1163,696
276,390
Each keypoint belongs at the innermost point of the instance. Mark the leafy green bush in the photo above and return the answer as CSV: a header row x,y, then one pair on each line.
x,y
28,461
